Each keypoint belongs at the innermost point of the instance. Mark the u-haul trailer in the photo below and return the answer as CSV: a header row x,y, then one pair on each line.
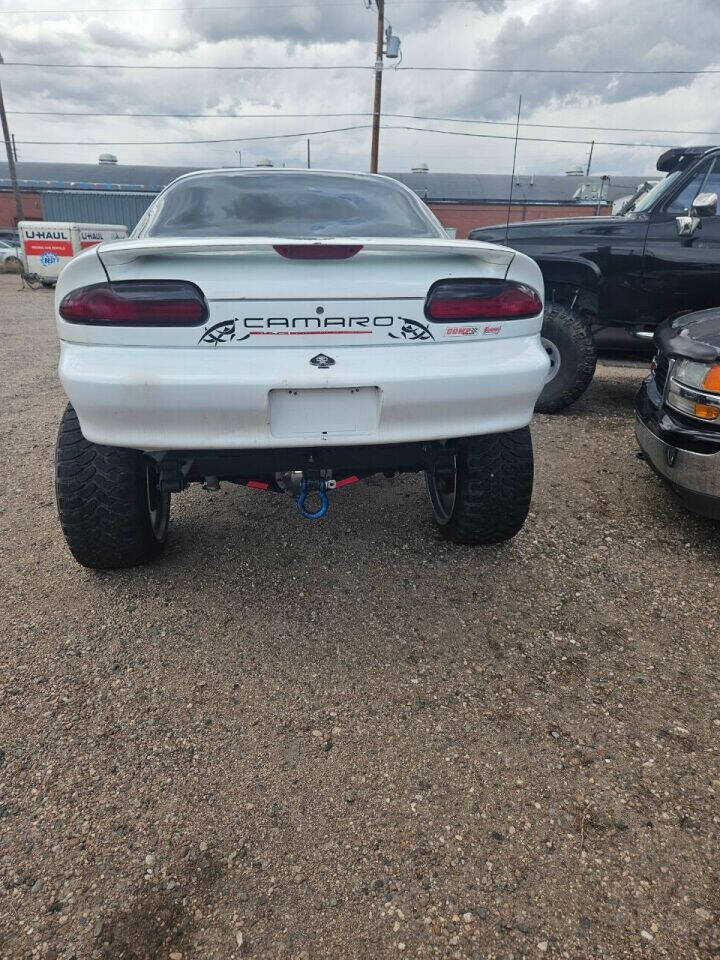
x,y
46,247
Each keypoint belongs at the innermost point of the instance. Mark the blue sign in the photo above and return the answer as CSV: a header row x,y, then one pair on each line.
x,y
47,259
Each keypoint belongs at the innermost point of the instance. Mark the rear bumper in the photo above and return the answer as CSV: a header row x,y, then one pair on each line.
x,y
157,398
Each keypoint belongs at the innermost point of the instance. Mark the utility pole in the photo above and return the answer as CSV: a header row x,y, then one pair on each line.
x,y
592,145
378,86
308,153
10,157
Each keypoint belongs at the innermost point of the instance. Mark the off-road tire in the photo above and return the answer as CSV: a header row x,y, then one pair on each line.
x,y
570,333
493,484
104,500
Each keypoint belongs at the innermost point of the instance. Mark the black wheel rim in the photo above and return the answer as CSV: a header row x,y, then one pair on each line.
x,y
443,493
158,503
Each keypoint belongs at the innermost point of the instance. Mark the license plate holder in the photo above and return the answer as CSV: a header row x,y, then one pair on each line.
x,y
322,414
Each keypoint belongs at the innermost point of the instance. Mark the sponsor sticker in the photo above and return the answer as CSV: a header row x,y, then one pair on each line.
x,y
48,259
461,331
492,331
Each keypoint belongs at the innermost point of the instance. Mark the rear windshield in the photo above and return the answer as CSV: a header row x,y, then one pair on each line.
x,y
292,205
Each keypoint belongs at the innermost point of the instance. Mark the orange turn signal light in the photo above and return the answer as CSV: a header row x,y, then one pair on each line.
x,y
707,411
712,380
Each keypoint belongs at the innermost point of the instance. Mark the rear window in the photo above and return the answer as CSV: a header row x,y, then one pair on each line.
x,y
291,205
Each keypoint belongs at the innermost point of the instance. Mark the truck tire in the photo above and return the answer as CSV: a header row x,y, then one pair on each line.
x,y
110,509
567,337
487,498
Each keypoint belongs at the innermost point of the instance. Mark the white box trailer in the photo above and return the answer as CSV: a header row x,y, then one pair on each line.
x,y
46,247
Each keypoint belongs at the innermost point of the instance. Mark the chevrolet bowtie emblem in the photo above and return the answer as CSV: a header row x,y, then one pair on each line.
x,y
322,361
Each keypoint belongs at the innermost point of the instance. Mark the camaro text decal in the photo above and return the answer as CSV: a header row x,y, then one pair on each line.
x,y
237,330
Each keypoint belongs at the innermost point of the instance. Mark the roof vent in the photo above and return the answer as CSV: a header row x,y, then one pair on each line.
x,y
420,168
107,158
264,163
592,191
576,171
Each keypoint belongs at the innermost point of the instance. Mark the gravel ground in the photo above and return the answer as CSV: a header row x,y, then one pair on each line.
x,y
349,739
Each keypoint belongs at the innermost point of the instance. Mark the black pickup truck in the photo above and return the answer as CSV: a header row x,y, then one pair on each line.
x,y
677,410
657,260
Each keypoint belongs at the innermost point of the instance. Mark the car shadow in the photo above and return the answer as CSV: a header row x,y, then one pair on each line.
x,y
376,556
612,392
672,521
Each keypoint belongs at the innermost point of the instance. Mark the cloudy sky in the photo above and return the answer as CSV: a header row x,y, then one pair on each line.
x,y
549,34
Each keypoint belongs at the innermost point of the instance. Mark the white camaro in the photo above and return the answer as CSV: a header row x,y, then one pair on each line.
x,y
293,331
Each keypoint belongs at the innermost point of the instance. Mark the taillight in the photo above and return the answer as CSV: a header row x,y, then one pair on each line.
x,y
481,300
136,303
317,251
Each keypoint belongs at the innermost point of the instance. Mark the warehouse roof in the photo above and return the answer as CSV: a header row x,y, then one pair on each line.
x,y
489,187
92,176
435,187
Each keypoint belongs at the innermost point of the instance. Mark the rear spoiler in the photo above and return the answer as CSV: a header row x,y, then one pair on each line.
x,y
116,252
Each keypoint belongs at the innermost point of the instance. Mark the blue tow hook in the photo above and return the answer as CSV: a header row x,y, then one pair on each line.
x,y
315,489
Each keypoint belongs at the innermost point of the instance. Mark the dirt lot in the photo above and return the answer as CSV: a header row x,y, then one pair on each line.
x,y
348,739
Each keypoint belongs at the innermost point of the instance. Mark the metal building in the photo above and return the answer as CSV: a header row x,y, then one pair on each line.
x,y
105,192
110,192
89,206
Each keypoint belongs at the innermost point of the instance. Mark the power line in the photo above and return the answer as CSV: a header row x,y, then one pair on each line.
x,y
180,66
317,133
605,71
254,67
207,116
249,7
327,116
157,143
560,126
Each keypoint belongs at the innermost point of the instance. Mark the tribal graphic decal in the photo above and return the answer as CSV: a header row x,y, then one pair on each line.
x,y
223,332
412,330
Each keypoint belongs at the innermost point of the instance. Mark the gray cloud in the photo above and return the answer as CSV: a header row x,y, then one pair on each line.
x,y
100,33
587,34
310,23
61,40
644,35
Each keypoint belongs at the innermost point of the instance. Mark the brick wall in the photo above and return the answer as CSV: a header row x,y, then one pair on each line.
x,y
466,216
32,208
